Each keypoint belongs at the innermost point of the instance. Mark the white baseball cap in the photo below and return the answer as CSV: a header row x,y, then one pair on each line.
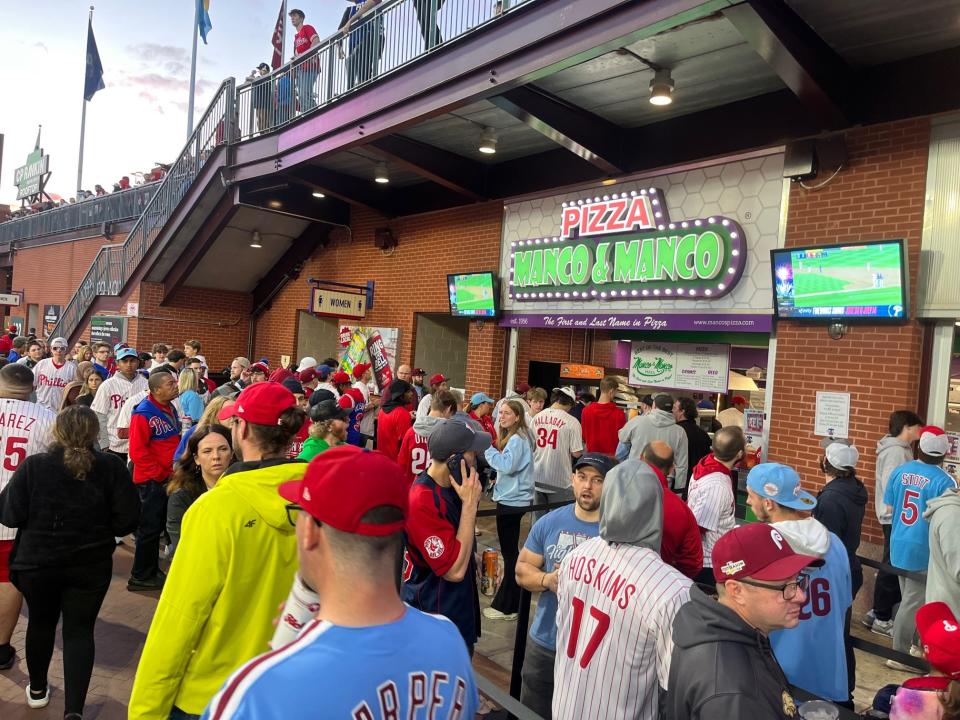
x,y
566,391
934,441
842,456
307,362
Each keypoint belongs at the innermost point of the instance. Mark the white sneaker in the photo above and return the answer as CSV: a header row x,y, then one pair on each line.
x,y
37,703
868,619
882,627
916,652
894,665
494,614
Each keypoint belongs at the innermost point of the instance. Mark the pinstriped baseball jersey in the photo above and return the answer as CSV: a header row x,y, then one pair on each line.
x,y
615,610
559,435
49,380
109,400
24,431
711,499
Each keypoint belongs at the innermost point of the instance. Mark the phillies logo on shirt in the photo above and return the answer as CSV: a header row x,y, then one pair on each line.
x,y
51,381
117,401
434,547
159,425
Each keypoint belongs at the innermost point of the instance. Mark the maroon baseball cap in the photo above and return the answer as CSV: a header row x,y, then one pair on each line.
x,y
260,404
340,378
418,371
359,369
523,388
437,379
375,480
757,551
308,375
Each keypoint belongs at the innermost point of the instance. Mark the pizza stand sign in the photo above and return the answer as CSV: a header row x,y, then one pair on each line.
x,y
699,367
625,246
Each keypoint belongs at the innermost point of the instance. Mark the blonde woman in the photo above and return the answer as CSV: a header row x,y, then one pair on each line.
x,y
191,406
210,417
512,458
73,388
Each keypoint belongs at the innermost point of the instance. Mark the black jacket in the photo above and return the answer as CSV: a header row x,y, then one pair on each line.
x,y
698,444
840,507
64,521
723,668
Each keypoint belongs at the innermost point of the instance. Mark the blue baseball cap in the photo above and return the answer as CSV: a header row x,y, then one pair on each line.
x,y
781,484
598,461
126,352
480,398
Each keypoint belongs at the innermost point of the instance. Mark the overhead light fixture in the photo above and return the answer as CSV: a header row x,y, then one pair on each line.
x,y
275,204
661,87
318,194
255,239
488,141
382,176
609,181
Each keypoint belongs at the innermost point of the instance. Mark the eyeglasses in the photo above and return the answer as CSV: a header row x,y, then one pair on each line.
x,y
292,510
788,590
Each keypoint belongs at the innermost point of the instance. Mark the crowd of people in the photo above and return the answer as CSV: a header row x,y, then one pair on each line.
x,y
358,505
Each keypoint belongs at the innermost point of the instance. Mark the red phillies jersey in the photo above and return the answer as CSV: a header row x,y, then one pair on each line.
x,y
301,41
414,457
391,427
299,439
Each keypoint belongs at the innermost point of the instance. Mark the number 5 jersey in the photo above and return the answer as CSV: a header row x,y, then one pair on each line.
x,y
24,431
910,488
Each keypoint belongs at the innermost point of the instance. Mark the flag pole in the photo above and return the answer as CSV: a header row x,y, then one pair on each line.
x,y
83,118
283,34
193,67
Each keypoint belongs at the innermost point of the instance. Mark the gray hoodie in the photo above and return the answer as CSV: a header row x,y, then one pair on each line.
x,y
658,425
631,507
424,426
943,572
891,454
806,537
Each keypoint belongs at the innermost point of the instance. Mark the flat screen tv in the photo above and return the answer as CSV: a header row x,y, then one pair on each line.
x,y
474,295
856,281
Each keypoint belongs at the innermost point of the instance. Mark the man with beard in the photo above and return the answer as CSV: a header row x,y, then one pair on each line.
x,y
550,539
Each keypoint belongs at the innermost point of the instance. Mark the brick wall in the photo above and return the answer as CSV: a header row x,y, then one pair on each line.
x,y
219,319
590,347
409,280
879,195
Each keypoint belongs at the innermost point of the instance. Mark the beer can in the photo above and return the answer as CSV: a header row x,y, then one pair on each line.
x,y
301,605
488,579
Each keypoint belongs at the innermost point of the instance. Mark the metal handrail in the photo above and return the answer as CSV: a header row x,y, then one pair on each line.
x,y
114,265
115,207
393,35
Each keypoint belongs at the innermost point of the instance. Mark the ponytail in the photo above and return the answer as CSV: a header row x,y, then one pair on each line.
x,y
75,430
950,698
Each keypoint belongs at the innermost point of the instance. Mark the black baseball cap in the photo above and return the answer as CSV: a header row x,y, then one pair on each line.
x,y
598,461
453,437
319,395
328,410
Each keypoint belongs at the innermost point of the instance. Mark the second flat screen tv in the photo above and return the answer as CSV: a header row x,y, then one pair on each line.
x,y
856,281
473,295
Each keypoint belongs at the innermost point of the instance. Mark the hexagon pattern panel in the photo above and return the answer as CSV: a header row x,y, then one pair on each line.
x,y
748,191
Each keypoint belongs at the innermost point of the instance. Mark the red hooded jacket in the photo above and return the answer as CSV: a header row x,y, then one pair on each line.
x,y
680,545
601,422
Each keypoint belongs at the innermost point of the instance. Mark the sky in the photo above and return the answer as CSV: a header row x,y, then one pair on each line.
x,y
140,118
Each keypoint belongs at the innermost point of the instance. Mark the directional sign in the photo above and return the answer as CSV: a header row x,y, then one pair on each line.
x,y
338,304
10,299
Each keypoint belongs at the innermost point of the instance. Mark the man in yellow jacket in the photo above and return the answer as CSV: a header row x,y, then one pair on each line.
x,y
234,566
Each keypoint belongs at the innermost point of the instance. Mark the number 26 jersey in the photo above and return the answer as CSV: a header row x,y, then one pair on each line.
x,y
24,430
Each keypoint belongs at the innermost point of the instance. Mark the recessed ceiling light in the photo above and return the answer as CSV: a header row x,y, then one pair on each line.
x,y
275,204
661,88
381,175
318,194
609,181
255,240
488,141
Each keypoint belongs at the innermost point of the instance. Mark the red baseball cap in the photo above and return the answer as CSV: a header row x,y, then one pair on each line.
x,y
523,388
340,378
308,375
12,328
437,379
259,368
226,411
359,369
940,636
260,404
757,551
934,441
375,480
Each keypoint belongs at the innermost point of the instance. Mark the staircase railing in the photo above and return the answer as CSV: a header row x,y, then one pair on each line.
x,y
114,265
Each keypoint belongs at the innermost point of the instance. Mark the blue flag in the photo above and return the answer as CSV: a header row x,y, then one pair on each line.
x,y
203,19
94,77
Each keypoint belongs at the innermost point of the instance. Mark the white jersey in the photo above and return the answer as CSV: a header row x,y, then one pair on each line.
x,y
24,430
712,502
109,401
423,409
558,435
126,414
615,610
49,380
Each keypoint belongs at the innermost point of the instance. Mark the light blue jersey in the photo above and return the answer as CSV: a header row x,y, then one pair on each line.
x,y
416,667
910,487
553,536
812,654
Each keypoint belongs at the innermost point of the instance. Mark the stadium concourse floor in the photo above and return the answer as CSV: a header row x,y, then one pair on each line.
x,y
125,619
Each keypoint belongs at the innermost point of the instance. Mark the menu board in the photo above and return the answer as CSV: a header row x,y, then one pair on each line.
x,y
700,367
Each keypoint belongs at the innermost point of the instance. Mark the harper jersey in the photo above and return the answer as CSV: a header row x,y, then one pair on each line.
x,y
812,654
352,400
910,487
414,456
558,435
24,430
49,380
615,609
415,667
109,400
432,548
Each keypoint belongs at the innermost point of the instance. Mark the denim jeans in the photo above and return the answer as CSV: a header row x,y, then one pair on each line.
x,y
153,521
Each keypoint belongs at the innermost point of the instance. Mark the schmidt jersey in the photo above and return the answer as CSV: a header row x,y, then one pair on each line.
x,y
416,667
24,431
812,654
910,488
431,550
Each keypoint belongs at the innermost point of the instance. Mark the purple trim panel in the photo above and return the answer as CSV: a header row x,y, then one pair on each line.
x,y
727,322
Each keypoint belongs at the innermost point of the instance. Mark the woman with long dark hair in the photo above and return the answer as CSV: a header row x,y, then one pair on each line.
x,y
512,457
209,452
67,504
